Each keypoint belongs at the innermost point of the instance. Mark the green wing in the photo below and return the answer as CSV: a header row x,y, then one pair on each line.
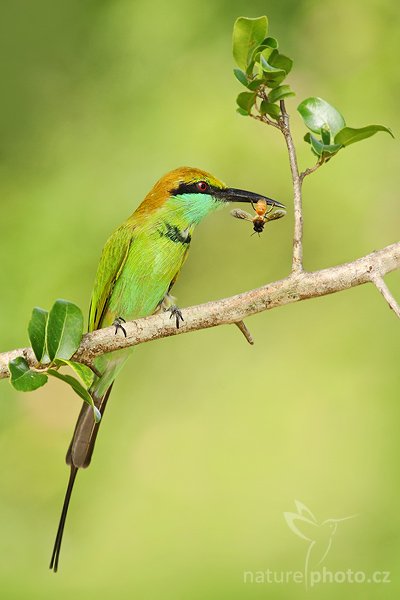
x,y
111,263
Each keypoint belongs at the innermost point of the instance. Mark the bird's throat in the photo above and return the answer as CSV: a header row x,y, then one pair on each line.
x,y
188,210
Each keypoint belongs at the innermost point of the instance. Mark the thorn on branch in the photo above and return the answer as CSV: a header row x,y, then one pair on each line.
x,y
241,325
381,286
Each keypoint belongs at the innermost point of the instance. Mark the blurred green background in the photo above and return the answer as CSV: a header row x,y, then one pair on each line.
x,y
207,441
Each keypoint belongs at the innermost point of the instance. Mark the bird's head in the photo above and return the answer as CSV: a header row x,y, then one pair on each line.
x,y
196,193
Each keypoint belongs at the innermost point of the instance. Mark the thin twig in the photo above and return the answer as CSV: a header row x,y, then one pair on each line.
x,y
264,119
297,258
295,288
269,121
241,325
379,283
311,169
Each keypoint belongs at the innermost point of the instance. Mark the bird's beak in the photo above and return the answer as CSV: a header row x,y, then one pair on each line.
x,y
234,195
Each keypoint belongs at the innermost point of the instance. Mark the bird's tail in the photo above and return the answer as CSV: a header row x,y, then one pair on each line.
x,y
57,543
81,448
78,457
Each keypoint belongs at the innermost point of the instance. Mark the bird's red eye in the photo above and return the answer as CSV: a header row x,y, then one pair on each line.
x,y
202,186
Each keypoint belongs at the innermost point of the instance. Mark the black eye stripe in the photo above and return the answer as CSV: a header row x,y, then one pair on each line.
x,y
192,188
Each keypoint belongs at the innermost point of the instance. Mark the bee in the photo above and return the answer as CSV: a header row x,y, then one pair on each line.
x,y
262,216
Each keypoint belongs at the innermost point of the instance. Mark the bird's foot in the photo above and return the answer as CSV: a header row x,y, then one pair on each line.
x,y
118,325
175,312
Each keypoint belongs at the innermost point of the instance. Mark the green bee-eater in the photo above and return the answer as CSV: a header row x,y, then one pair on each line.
x,y
138,267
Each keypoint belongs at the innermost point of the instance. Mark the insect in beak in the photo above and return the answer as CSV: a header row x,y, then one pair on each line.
x,y
262,216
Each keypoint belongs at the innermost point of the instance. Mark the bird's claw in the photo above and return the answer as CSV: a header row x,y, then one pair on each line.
x,y
118,325
175,312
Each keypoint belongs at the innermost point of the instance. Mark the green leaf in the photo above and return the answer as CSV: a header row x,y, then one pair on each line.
x,y
245,101
81,370
350,135
280,92
242,112
255,84
64,329
274,75
274,80
266,51
316,113
307,138
281,62
271,42
247,35
271,109
319,147
266,66
22,378
326,134
79,389
37,332
241,76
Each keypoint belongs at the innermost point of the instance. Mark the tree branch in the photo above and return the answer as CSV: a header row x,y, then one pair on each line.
x,y
294,288
297,258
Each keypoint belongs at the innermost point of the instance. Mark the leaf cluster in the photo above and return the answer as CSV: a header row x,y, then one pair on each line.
x,y
327,122
55,336
262,69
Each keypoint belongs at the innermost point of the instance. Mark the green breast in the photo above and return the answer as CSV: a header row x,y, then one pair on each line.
x,y
155,257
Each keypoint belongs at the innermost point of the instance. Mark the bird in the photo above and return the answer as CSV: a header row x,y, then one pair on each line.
x,y
138,267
